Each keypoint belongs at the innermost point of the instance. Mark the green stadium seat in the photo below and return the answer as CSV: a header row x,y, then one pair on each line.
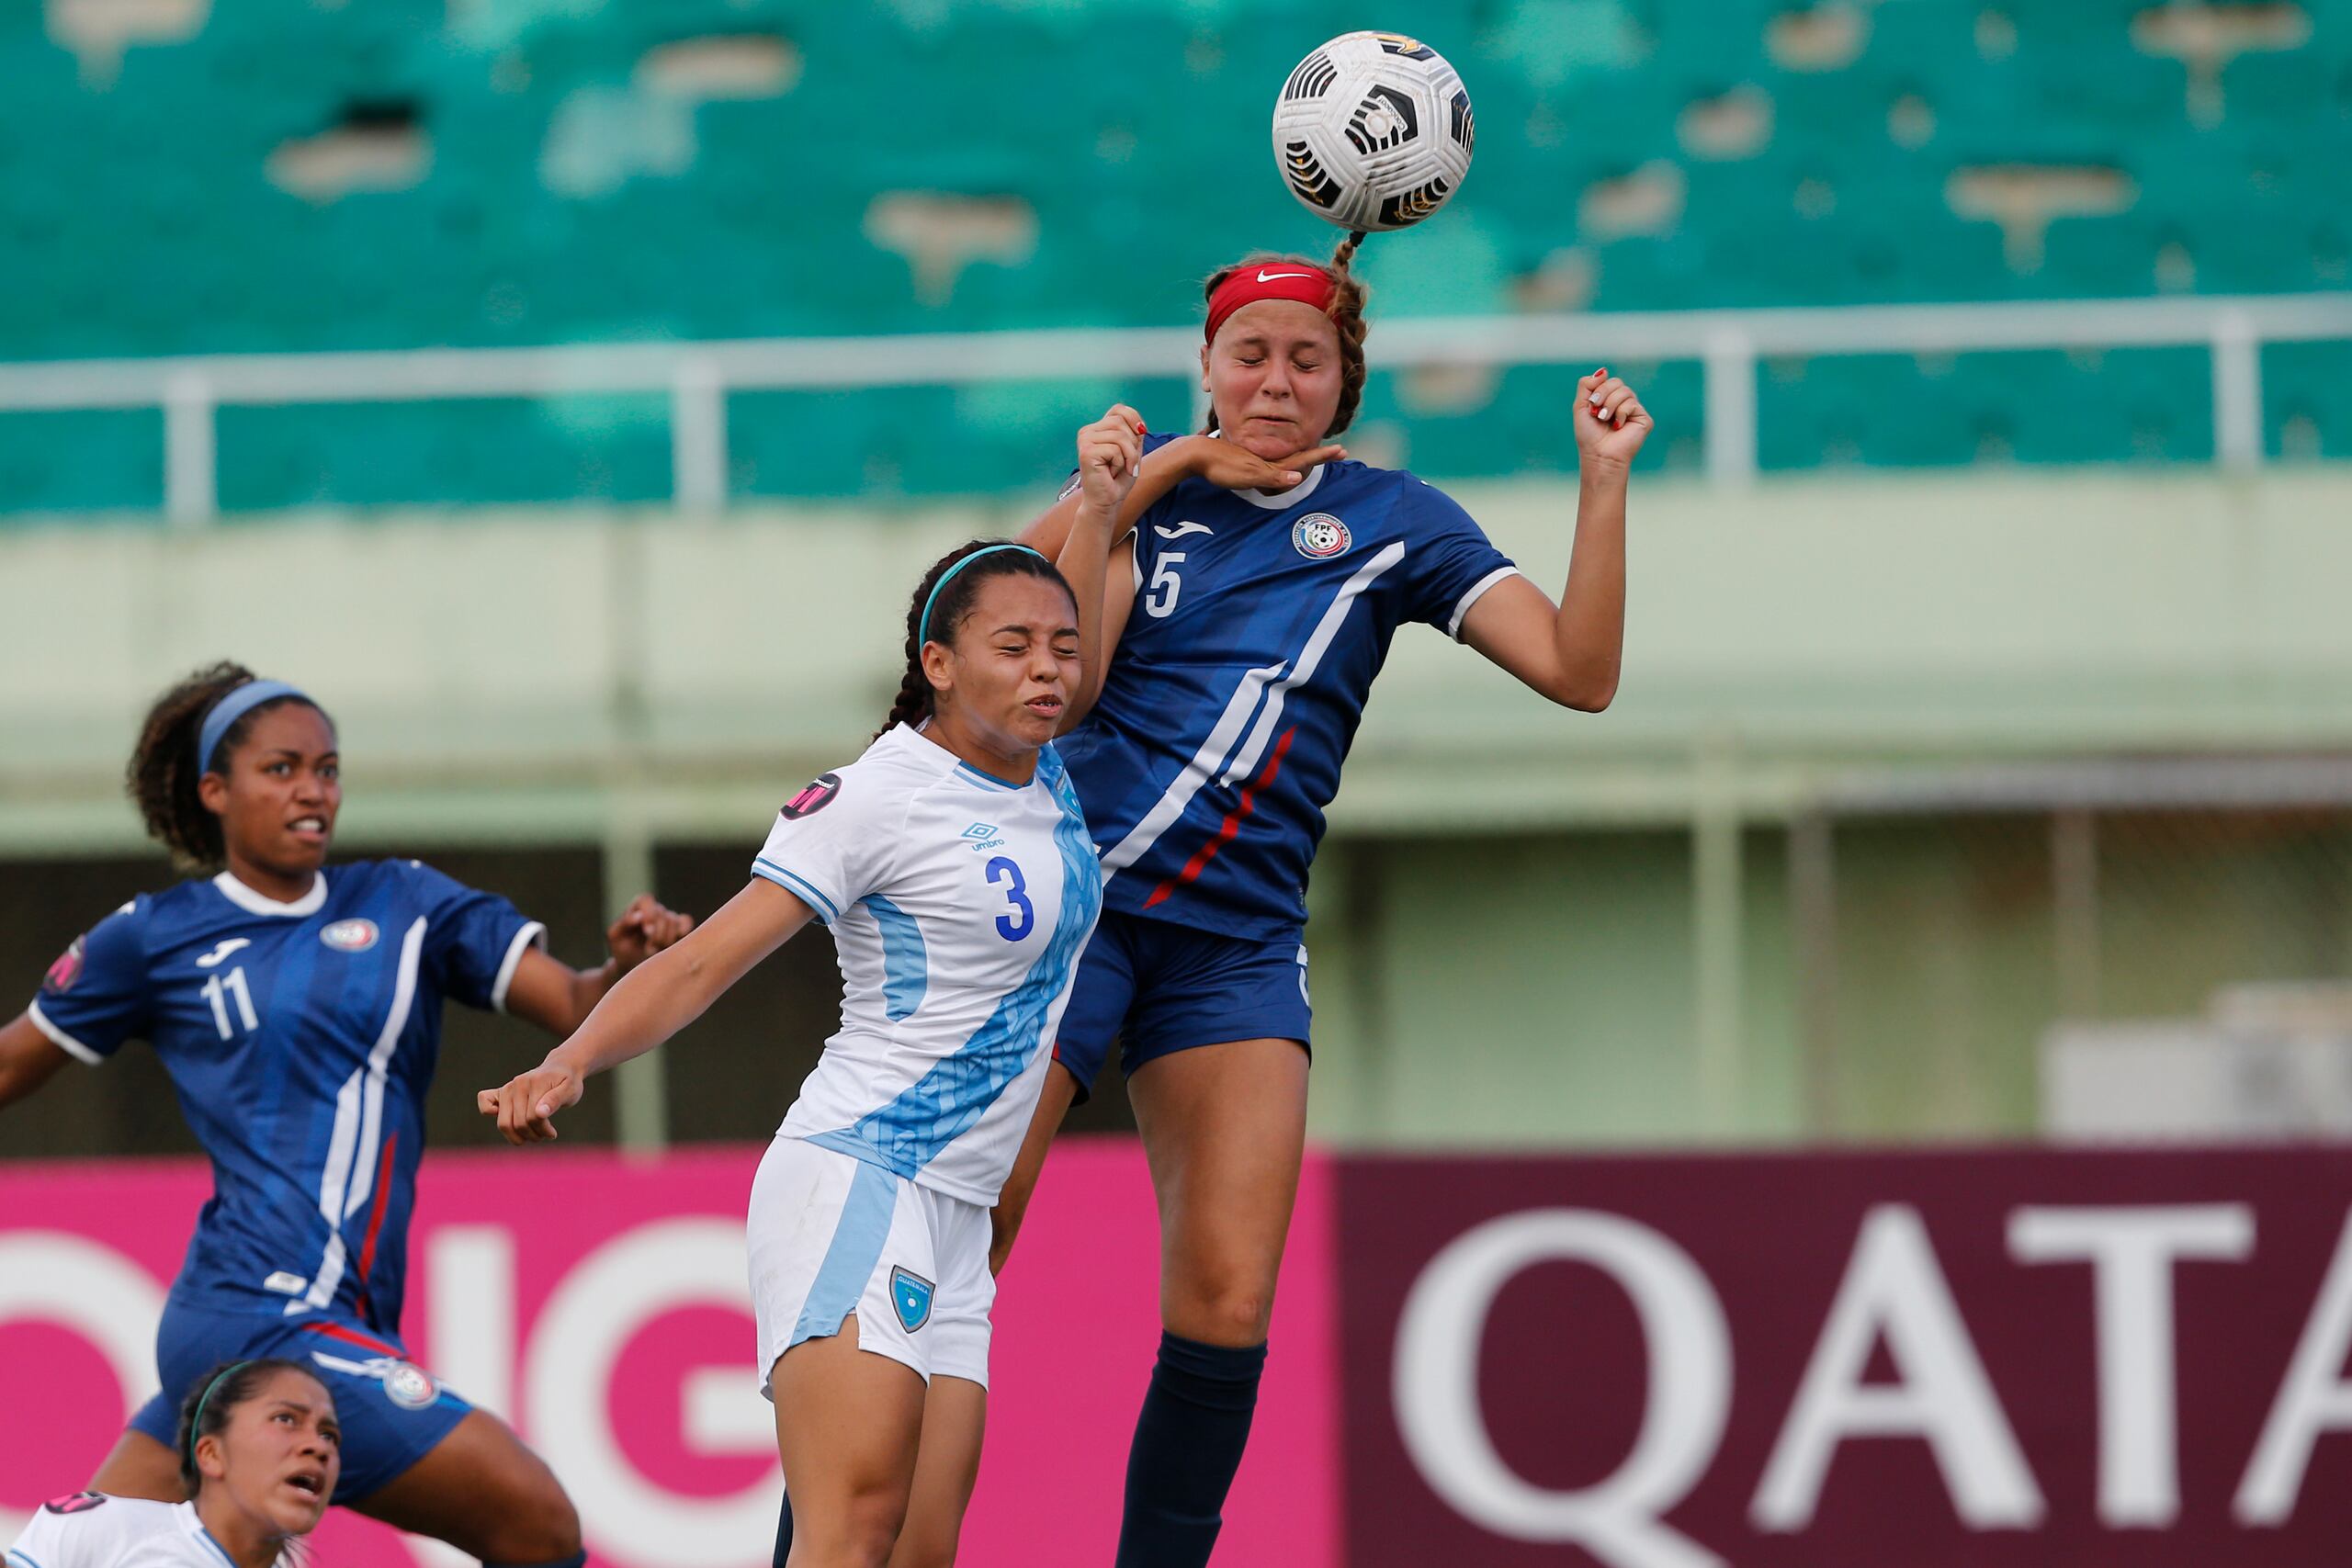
x,y
142,220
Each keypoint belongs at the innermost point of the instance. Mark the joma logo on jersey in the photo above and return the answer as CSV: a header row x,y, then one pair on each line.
x,y
1318,535
983,837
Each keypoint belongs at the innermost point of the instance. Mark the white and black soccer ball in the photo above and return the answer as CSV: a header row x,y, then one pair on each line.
x,y
1373,131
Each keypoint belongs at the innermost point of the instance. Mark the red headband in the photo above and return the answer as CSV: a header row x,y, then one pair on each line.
x,y
1269,280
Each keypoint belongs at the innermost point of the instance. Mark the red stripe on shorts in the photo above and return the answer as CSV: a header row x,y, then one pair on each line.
x,y
353,1336
1230,827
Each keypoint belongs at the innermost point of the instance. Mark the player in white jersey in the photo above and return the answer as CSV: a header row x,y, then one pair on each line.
x,y
952,865
260,1450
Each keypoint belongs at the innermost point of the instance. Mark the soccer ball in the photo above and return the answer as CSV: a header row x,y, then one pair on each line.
x,y
1373,131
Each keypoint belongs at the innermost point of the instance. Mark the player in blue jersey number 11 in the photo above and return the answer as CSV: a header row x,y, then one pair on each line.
x,y
297,1007
952,865
1258,578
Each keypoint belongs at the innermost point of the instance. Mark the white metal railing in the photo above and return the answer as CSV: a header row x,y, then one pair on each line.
x,y
699,377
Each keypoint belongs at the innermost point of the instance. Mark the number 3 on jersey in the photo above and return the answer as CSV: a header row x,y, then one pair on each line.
x,y
1023,919
217,990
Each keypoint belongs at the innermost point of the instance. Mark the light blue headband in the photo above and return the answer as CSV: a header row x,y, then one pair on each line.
x,y
232,707
923,627
195,1422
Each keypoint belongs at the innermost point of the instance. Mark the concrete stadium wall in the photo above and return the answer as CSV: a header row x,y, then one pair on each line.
x,y
1528,927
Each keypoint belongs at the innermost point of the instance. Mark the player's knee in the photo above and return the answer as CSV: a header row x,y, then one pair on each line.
x,y
1235,1311
547,1530
867,1534
925,1544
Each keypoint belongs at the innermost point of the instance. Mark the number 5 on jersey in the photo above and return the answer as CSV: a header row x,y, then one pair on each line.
x,y
219,989
1023,919
1161,603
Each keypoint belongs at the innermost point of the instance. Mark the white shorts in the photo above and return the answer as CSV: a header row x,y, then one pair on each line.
x,y
830,1235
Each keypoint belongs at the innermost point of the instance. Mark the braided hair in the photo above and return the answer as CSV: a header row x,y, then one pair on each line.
x,y
162,777
917,699
1349,295
214,1398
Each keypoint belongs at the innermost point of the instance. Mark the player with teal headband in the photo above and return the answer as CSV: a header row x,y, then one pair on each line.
x,y
296,1006
953,867
260,1450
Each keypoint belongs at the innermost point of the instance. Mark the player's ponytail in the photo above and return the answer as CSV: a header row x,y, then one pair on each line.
x,y
164,769
1349,294
942,600
1347,314
214,1398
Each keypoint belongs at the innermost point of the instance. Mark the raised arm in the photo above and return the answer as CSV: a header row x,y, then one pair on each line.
x,y
559,998
28,1058
1572,651
1083,553
652,1002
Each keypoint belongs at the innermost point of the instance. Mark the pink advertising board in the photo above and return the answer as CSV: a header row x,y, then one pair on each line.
x,y
600,1305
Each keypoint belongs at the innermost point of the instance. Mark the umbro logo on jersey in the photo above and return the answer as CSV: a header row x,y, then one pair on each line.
x,y
350,936
983,836
1181,530
1318,535
222,952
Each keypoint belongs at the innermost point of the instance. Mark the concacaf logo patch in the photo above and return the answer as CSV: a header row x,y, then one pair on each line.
x,y
410,1386
814,796
1318,535
350,936
64,971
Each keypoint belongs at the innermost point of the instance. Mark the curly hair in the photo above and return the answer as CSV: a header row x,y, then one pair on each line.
x,y
1348,300
164,769
917,699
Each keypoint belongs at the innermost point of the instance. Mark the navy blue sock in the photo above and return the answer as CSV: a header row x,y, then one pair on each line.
x,y
784,1532
577,1560
1189,1439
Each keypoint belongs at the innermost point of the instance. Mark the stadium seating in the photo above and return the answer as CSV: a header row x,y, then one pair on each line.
x,y
279,174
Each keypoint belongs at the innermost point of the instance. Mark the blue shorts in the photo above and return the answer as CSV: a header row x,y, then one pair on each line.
x,y
391,1410
1157,987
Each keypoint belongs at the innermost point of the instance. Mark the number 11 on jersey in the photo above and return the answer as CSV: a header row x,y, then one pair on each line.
x,y
218,989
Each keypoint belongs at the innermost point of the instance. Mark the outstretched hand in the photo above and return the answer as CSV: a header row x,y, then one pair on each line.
x,y
645,928
1110,455
1611,422
1230,465
525,1105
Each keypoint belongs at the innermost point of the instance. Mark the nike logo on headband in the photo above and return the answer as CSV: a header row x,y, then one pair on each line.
x,y
1265,276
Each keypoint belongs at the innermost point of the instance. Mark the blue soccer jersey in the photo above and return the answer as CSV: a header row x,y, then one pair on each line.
x,y
1258,624
301,1038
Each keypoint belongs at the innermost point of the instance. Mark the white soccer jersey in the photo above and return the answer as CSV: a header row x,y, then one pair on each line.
x,y
959,904
93,1530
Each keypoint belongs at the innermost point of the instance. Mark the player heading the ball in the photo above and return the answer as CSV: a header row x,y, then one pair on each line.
x,y
1259,576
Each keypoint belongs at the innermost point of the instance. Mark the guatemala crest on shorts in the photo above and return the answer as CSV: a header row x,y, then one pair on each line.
x,y
1318,535
911,1296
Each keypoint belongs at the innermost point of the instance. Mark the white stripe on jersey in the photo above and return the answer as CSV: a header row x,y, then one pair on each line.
x,y
350,1176
1219,744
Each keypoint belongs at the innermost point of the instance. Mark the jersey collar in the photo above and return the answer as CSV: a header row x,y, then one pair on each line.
x,y
253,903
193,1526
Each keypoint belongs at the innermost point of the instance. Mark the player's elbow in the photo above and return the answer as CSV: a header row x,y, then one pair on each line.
x,y
1589,690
